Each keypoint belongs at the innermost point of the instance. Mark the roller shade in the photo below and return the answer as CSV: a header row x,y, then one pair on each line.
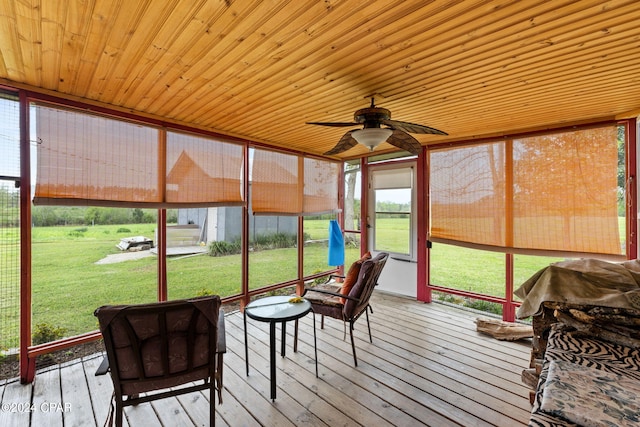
x,y
85,159
288,184
392,179
320,186
203,171
554,193
91,160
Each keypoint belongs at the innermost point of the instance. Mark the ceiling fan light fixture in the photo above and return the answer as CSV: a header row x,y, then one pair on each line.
x,y
371,137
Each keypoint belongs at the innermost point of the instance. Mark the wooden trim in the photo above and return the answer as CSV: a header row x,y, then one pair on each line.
x,y
27,364
509,193
341,184
300,282
52,201
88,106
632,188
244,238
39,350
483,297
423,292
629,114
162,217
509,308
35,93
162,255
364,209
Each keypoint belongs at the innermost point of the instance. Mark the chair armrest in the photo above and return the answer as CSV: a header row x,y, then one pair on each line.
x,y
326,292
222,338
330,277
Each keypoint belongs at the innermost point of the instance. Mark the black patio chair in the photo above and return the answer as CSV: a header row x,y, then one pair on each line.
x,y
153,348
336,300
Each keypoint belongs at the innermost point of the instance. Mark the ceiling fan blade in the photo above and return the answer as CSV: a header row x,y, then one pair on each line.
x,y
412,127
345,143
334,124
405,141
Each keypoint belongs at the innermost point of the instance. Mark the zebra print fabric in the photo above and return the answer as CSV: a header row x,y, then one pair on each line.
x,y
564,346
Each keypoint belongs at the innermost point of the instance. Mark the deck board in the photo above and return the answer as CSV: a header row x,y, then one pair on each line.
x,y
75,396
427,365
99,387
13,412
46,390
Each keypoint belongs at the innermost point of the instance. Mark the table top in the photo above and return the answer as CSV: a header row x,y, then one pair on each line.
x,y
278,309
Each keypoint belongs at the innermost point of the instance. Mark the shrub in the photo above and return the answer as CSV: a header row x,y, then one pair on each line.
x,y
204,292
486,306
452,299
475,304
223,248
123,230
44,333
275,241
351,241
320,280
77,232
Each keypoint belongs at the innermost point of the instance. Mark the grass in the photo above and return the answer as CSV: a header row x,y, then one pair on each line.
x,y
480,271
67,285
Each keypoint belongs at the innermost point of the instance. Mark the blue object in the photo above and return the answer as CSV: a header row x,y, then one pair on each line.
x,y
336,244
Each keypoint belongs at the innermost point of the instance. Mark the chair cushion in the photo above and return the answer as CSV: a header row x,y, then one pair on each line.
x,y
160,345
325,299
352,276
325,304
150,344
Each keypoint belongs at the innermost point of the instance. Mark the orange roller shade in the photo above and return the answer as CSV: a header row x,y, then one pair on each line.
x,y
275,184
550,193
85,159
203,171
320,186
288,184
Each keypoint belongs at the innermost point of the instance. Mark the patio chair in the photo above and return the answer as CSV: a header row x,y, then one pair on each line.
x,y
153,348
347,301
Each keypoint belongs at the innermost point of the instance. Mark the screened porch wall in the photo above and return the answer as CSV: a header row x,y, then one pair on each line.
x,y
152,166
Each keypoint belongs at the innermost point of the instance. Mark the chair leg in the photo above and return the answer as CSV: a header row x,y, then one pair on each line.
x,y
119,410
353,344
219,377
366,312
212,404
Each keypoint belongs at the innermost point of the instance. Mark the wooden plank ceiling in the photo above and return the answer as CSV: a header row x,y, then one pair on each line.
x,y
260,69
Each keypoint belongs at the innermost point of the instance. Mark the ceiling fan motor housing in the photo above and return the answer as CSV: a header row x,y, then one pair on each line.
x,y
372,117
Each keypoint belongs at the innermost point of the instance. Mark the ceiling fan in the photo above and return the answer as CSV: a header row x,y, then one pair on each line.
x,y
396,133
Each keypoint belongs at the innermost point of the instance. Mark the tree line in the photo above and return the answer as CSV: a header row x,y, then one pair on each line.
x,y
47,216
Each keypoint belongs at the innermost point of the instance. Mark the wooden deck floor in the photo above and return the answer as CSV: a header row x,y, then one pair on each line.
x,y
427,366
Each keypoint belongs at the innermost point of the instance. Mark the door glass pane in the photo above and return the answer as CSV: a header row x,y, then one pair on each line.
x,y
392,231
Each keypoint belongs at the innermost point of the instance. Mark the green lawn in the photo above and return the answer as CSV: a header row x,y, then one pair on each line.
x,y
68,285
481,272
